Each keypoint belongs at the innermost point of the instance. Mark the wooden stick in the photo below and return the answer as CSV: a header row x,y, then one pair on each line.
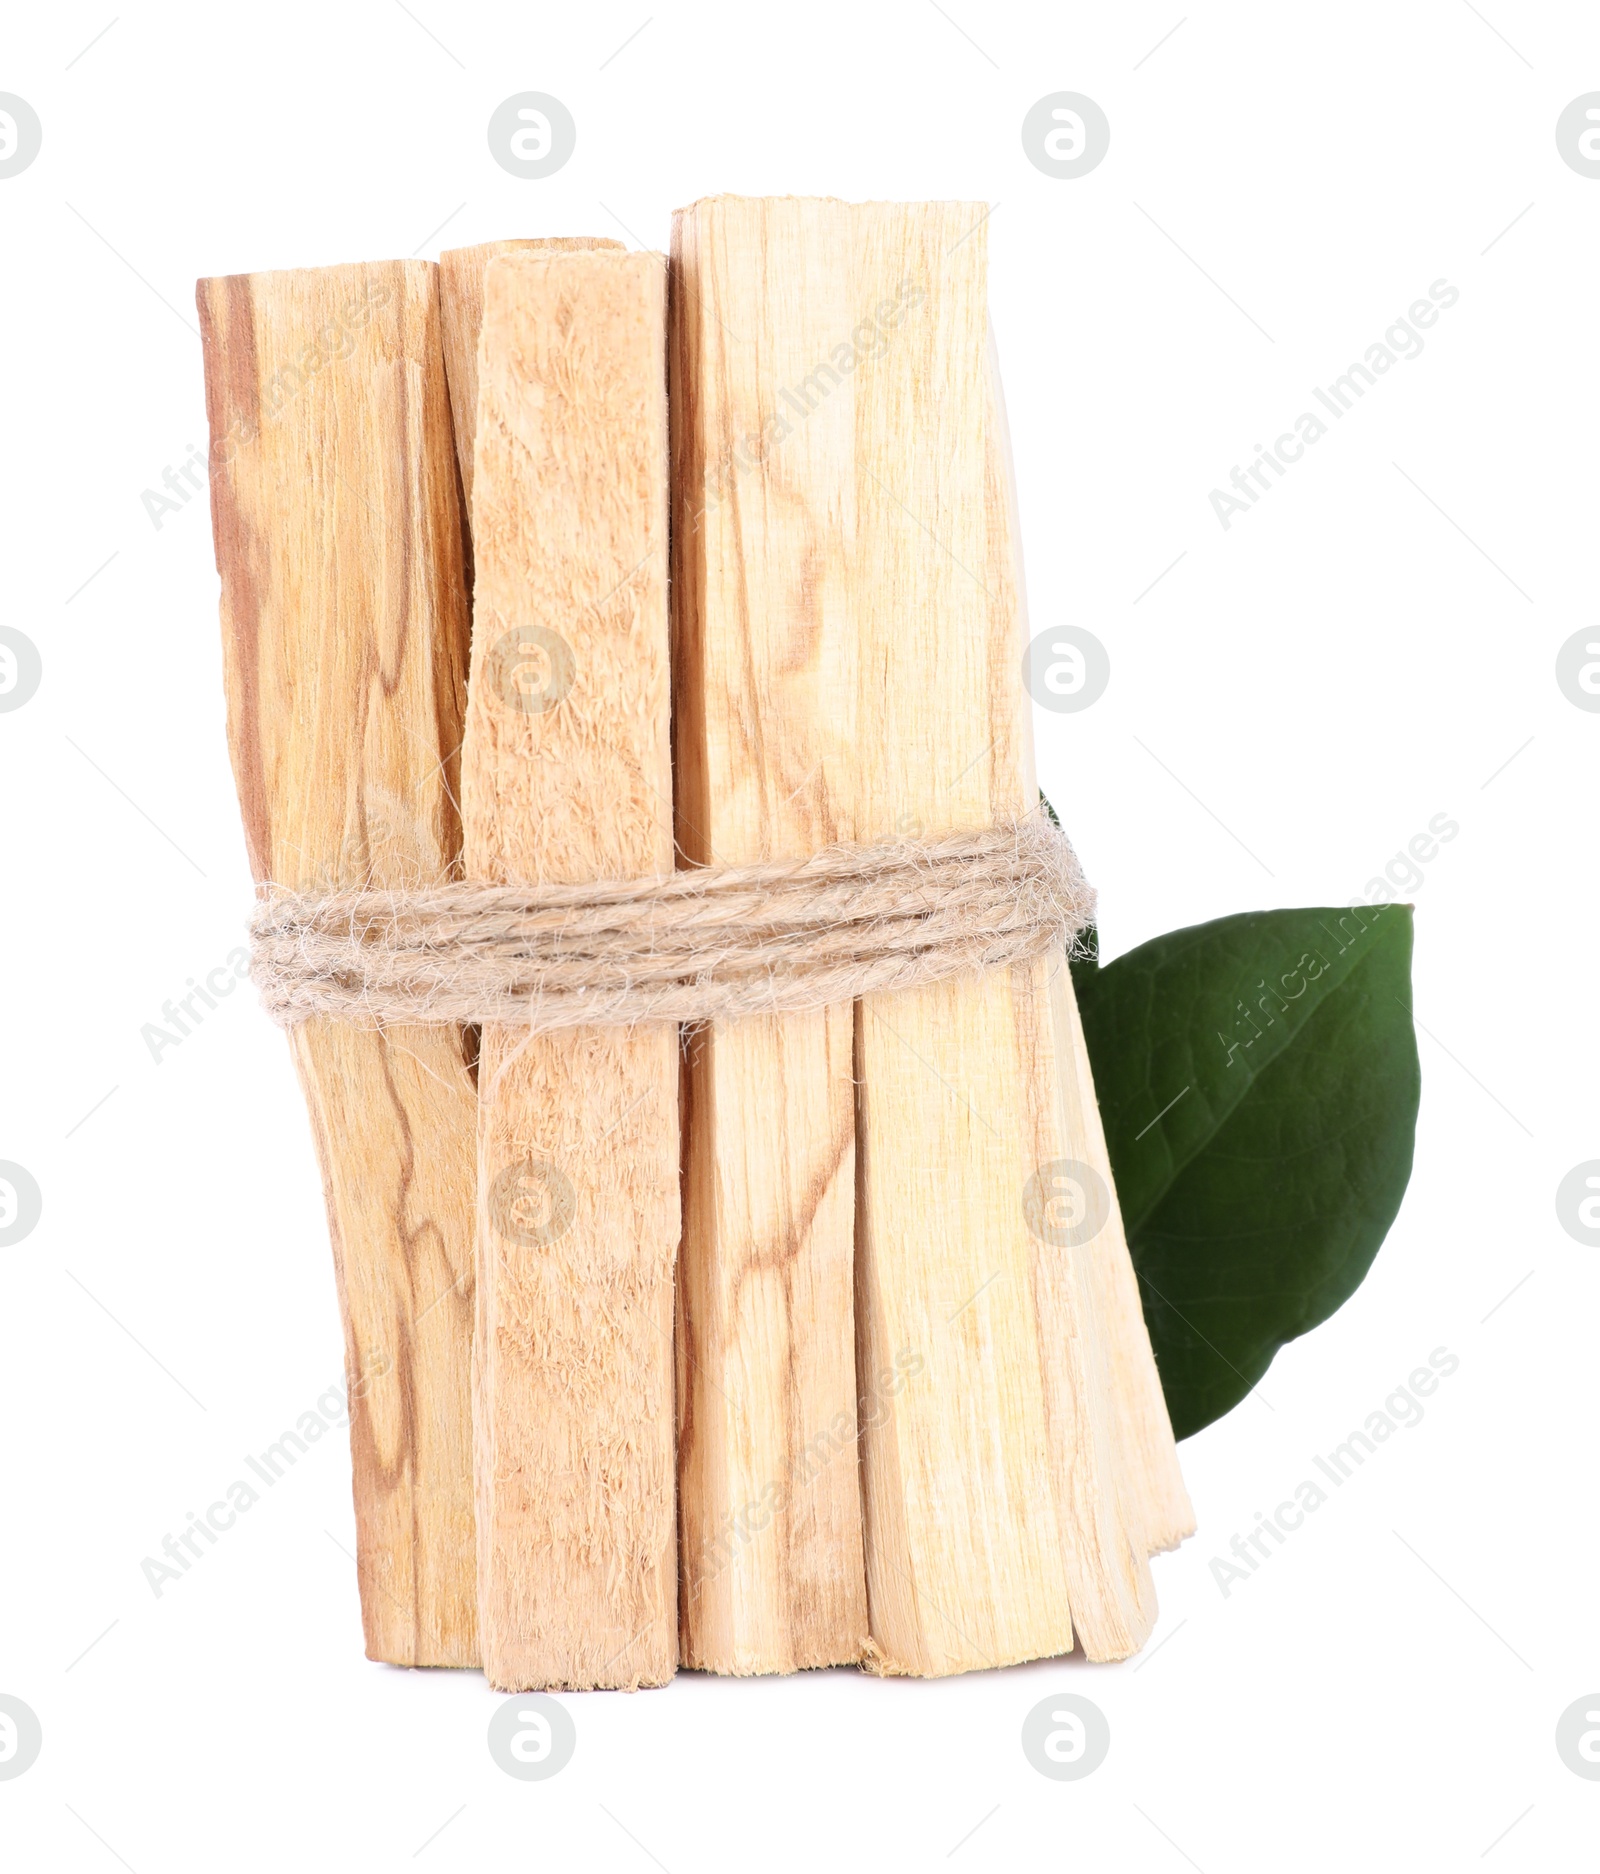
x,y
996,1500
567,777
765,674
344,633
461,285
840,393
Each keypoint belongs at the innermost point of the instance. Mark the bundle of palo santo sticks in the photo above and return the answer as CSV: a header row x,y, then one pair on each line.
x,y
739,1348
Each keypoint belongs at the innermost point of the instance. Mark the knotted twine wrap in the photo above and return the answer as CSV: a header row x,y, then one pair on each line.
x,y
699,945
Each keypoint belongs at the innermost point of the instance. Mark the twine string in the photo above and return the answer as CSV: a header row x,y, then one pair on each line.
x,y
702,944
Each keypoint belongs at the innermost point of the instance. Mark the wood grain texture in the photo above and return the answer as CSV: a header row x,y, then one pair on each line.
x,y
765,673
845,386
338,542
462,272
995,1521
567,776
968,1089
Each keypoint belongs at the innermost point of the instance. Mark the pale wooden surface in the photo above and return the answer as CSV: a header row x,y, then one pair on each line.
x,y
765,671
461,279
857,422
338,541
996,1525
573,1369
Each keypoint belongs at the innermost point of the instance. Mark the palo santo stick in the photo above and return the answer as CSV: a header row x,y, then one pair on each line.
x,y
994,1513
461,279
566,777
769,1498
344,631
1144,1453
995,1509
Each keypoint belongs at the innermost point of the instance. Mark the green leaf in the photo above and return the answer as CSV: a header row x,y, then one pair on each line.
x,y
1258,1080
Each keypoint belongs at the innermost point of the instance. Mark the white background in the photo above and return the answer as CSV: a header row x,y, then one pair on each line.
x,y
1345,662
